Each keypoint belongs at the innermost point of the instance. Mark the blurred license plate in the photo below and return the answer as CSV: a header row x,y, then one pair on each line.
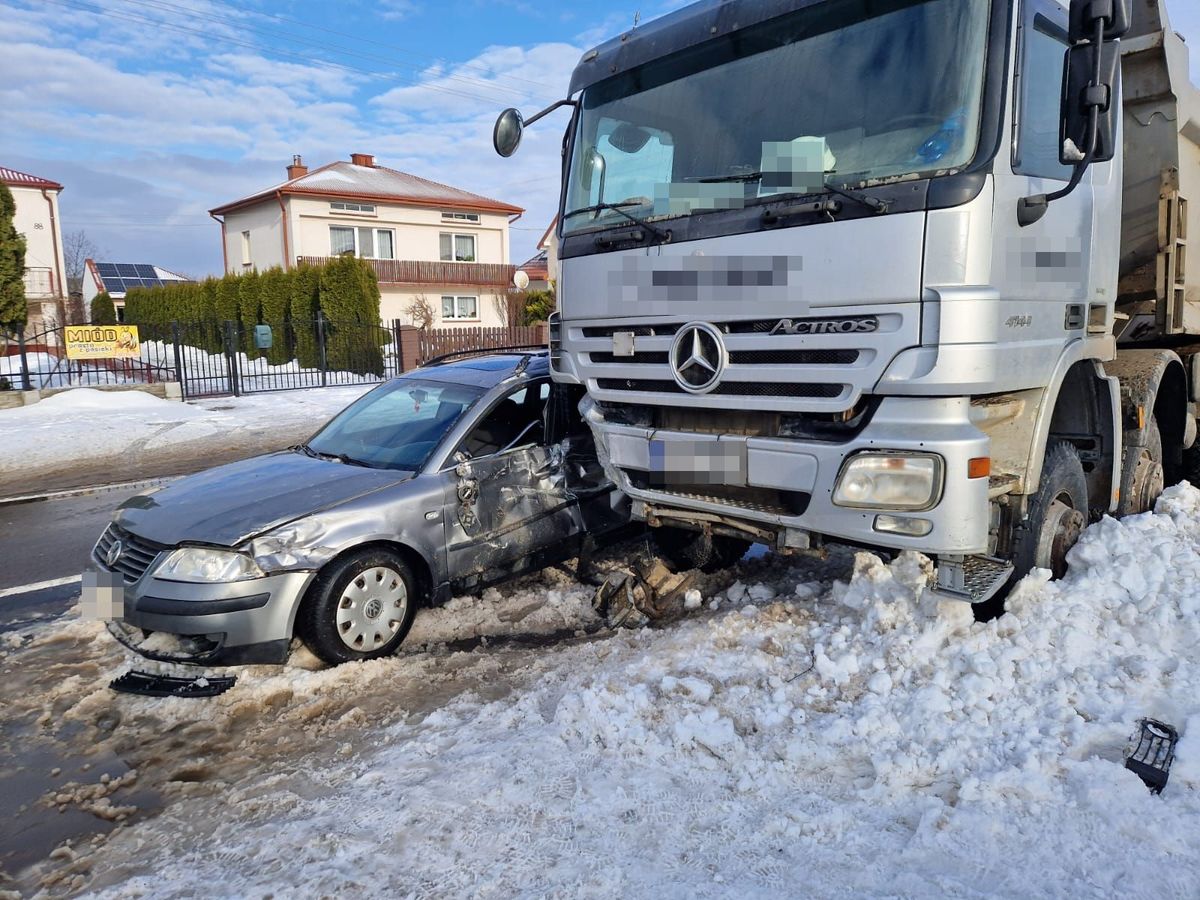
x,y
697,462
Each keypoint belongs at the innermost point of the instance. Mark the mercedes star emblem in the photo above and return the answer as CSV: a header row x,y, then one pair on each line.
x,y
113,553
698,357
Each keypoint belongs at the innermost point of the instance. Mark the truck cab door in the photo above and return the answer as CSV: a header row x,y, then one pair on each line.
x,y
1041,271
507,507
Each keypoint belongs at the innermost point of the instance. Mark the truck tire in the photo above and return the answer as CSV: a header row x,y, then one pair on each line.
x,y
361,606
683,550
1143,476
1057,515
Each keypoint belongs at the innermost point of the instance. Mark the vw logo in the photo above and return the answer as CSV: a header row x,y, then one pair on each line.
x,y
113,553
698,357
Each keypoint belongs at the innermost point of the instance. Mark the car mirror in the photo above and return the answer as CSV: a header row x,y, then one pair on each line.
x,y
506,136
1080,96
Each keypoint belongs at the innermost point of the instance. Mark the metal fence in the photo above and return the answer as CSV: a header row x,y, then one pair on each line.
x,y
211,358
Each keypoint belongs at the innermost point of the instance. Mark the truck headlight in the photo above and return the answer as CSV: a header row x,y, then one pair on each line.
x,y
876,480
206,566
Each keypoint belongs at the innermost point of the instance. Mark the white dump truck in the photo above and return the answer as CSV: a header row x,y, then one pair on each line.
x,y
908,274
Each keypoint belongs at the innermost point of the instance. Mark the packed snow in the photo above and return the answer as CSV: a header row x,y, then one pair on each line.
x,y
809,737
100,434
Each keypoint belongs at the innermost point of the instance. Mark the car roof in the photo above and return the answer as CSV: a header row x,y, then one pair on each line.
x,y
485,371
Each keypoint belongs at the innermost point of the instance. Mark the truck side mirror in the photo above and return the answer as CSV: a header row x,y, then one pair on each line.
x,y
1084,14
506,136
1080,95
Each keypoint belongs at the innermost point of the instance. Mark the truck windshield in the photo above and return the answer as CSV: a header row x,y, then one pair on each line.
x,y
841,92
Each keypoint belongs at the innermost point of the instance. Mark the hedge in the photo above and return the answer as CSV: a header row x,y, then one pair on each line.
x,y
345,290
103,311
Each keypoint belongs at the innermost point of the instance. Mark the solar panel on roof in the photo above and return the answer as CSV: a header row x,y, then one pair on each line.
x,y
147,272
107,270
127,270
112,283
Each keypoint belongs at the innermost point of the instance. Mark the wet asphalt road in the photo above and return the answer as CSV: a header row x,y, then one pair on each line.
x,y
45,541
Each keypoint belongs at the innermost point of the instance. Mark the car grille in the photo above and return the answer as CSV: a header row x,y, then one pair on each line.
x,y
137,553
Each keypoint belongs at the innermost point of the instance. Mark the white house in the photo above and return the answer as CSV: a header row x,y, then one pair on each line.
x,y
117,278
427,242
38,220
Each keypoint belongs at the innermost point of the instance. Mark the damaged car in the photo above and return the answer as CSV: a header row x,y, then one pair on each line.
x,y
455,476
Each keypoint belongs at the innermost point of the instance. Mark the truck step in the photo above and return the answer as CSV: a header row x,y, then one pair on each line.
x,y
973,579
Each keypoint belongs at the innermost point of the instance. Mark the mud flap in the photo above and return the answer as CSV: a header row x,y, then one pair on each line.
x,y
148,685
648,593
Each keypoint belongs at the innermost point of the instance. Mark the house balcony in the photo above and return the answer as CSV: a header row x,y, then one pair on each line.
x,y
40,283
412,271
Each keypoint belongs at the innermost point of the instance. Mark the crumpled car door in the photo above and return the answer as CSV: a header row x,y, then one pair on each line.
x,y
502,509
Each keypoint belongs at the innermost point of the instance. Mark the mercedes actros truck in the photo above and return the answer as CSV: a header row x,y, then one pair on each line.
x,y
902,274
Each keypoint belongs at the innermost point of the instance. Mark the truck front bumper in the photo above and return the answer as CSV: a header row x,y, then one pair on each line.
x,y
807,472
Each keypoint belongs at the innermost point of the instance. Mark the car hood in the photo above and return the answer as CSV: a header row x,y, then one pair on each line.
x,y
230,504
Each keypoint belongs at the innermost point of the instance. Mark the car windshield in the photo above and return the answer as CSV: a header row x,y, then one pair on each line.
x,y
840,92
396,426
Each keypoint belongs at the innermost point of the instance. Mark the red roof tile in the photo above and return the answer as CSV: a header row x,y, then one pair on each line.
x,y
13,178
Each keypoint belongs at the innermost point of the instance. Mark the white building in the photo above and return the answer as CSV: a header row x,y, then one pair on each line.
x,y
38,220
426,241
117,278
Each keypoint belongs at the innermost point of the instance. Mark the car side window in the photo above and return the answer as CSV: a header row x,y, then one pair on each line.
x,y
519,418
1044,45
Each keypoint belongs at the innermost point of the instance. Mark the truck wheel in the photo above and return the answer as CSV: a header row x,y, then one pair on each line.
x,y
1057,515
1144,478
682,549
360,607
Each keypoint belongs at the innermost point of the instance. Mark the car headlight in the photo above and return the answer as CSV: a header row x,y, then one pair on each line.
x,y
296,545
889,481
202,565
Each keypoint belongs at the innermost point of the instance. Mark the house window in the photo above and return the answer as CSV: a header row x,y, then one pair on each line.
x,y
246,260
346,206
460,307
366,243
460,217
458,247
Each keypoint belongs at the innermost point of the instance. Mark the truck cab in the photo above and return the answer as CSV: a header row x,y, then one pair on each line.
x,y
835,271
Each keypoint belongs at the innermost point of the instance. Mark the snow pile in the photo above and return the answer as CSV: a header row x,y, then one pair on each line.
x,y
862,740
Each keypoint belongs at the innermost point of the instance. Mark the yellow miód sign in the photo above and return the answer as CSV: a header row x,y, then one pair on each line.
x,y
102,342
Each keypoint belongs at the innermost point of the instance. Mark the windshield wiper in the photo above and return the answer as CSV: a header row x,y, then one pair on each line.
x,y
620,209
306,450
739,176
871,203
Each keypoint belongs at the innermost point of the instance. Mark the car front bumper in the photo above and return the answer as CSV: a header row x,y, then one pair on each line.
x,y
210,624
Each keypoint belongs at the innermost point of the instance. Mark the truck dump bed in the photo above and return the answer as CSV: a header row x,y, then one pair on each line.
x,y
1158,290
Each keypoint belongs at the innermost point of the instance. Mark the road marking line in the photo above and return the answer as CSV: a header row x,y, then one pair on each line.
x,y
40,586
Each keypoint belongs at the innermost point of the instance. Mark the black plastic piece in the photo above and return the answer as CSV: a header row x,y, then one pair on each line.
x,y
1151,759
950,191
1031,209
163,606
146,685
1084,13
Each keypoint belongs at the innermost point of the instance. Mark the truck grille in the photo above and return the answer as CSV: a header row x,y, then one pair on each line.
x,y
136,553
743,358
725,389
759,500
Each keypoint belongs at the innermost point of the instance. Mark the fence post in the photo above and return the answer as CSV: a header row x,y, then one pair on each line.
x,y
321,348
183,391
25,383
231,365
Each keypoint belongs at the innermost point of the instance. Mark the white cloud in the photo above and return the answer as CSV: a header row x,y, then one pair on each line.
x,y
397,9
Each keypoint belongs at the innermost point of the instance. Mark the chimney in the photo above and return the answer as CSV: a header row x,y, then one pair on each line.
x,y
297,169
363,159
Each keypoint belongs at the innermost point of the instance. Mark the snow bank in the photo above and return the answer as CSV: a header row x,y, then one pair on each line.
x,y
861,740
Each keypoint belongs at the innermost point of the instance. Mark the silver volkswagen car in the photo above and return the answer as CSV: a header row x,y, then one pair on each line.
x,y
447,479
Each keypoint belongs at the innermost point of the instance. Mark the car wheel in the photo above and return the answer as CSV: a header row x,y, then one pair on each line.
x,y
682,549
360,607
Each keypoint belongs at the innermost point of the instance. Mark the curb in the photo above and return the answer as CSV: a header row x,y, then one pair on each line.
x,y
83,492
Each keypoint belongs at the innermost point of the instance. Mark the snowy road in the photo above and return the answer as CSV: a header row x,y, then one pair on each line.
x,y
806,738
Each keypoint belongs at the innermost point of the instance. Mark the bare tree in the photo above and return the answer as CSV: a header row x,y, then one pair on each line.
x,y
420,311
78,248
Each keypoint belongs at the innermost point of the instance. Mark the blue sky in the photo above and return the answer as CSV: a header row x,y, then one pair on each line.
x,y
151,112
